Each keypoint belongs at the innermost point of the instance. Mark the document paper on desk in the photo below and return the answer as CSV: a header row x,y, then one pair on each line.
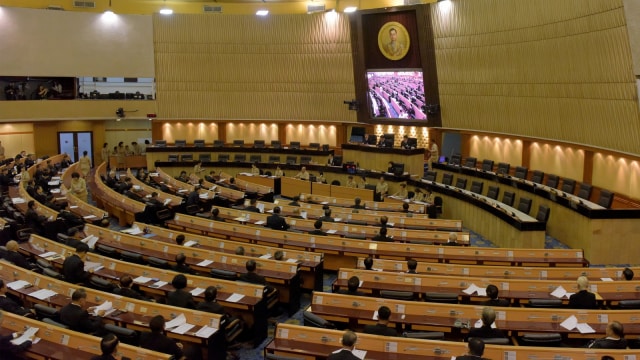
x,y
360,354
235,297
43,294
18,284
25,336
175,322
88,265
206,331
183,328
106,306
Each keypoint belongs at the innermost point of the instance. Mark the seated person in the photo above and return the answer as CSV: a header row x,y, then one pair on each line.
x,y
405,209
77,318
351,183
278,172
357,203
215,214
108,347
368,263
320,178
349,339
278,255
254,169
452,240
210,304
180,297
153,200
251,276
402,193
156,340
252,206
33,219
412,265
212,177
303,174
382,326
125,289
614,338
583,299
352,287
8,349
382,235
327,216
125,186
73,266
194,196
10,305
295,201
275,221
183,176
492,293
486,331
15,257
419,195
381,142
181,265
317,228
476,350
405,142
384,221
180,239
112,181
628,274
240,250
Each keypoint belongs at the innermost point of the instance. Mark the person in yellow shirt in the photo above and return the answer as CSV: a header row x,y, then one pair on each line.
x,y
402,193
382,188
351,183
303,174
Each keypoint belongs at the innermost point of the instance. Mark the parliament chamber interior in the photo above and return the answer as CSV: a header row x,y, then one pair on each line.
x,y
320,179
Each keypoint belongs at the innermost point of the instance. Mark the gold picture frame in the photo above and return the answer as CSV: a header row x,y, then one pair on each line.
x,y
393,40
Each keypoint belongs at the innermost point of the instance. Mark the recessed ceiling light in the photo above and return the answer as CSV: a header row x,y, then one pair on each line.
x,y
166,11
350,9
262,12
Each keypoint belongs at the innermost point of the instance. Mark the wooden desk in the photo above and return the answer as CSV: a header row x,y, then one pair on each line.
x,y
144,189
348,202
115,204
130,162
374,158
291,187
58,343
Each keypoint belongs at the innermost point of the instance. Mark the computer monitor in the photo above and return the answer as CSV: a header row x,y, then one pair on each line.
x,y
294,145
372,139
181,143
389,139
412,143
397,169
198,143
356,139
161,143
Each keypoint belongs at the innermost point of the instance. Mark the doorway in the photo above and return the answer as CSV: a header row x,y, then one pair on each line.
x,y
75,143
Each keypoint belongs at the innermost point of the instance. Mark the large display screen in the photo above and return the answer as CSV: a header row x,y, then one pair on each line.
x,y
396,94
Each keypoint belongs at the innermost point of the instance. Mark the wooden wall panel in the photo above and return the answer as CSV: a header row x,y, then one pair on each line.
x,y
284,67
547,69
498,149
252,131
564,161
188,130
618,174
17,137
308,133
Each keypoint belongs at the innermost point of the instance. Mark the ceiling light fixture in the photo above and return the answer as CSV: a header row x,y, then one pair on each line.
x,y
350,9
262,12
165,10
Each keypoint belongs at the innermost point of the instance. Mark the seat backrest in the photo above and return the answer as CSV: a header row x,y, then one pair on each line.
x,y
181,143
552,181
487,165
198,143
173,157
508,198
476,187
543,213
224,274
54,323
238,143
106,250
545,303
276,144
546,339
223,157
274,159
447,179
585,191
470,162
218,143
503,168
127,336
537,176
521,172
431,176
305,159
204,157
496,341
493,192
158,263
239,157
258,144
129,256
605,199
44,311
524,205
315,146
447,298
292,159
313,320
568,185
186,157
397,295
424,335
52,273
294,145
456,159
337,160
255,159
461,183
629,304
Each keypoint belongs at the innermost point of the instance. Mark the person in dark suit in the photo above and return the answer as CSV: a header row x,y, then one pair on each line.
x,y
111,180
382,235
452,240
8,350
412,266
15,257
77,318
153,200
251,276
212,177
109,347
476,350
252,206
194,196
210,304
317,228
10,305
181,265
125,288
614,338
492,293
295,201
486,331
349,339
357,204
275,221
125,186
33,219
215,214
155,340
368,263
73,266
627,274
583,299
381,327
352,287
327,216
180,297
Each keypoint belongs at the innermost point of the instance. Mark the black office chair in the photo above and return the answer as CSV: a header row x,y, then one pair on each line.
x,y
629,304
304,160
101,284
524,205
173,158
437,203
218,143
470,162
224,274
198,143
135,258
521,172
431,176
424,335
606,198
508,198
204,157
255,159
276,144
398,295
274,159
543,213
44,311
503,168
158,263
180,143
280,357
127,336
107,251
240,158
313,320
233,327
477,186
447,179
294,145
568,186
547,340
493,192
223,157
52,273
238,143
585,191
552,181
314,146
487,165
545,303
537,176
456,159
292,159
444,298
54,323
186,157
461,183
497,341
258,144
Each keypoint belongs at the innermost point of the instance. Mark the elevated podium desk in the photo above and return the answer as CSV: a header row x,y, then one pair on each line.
x,y
375,158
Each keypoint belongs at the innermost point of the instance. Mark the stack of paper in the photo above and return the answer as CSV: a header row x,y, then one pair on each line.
x,y
89,265
235,297
28,334
18,200
17,285
190,243
197,291
205,262
183,328
572,323
106,306
478,324
141,280
51,255
473,288
91,240
205,332
559,292
175,322
158,284
134,230
43,294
